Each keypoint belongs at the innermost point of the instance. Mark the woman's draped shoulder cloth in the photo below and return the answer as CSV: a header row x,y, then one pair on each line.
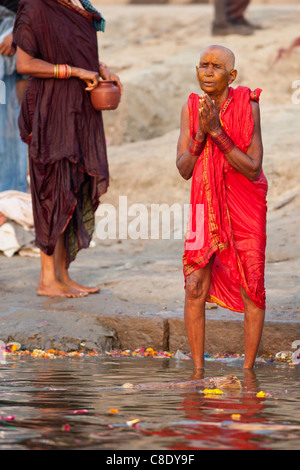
x,y
227,211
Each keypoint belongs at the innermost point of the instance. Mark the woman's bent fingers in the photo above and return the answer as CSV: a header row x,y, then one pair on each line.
x,y
91,84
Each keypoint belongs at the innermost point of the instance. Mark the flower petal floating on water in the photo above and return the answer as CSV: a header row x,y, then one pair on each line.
x,y
66,427
12,347
128,385
212,391
262,394
7,418
133,423
113,411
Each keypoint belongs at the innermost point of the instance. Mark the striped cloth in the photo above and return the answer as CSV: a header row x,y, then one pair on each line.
x,y
99,25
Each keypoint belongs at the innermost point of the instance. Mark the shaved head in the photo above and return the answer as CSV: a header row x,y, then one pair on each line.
x,y
226,54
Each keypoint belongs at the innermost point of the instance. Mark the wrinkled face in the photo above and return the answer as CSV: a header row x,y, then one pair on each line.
x,y
215,72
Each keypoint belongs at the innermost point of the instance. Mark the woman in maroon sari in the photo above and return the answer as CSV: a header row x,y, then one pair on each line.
x,y
56,42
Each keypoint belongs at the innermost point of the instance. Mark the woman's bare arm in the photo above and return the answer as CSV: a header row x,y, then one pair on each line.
x,y
185,161
28,65
249,163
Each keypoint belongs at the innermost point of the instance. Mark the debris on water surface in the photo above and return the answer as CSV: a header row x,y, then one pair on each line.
x,y
179,355
66,427
133,423
284,356
15,349
213,384
128,385
7,418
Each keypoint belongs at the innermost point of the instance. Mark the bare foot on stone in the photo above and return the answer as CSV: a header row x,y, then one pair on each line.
x,y
57,289
79,287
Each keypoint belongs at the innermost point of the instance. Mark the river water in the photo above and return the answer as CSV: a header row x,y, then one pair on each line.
x,y
76,403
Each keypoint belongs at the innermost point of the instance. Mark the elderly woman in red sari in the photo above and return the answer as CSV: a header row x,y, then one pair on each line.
x,y
220,147
56,42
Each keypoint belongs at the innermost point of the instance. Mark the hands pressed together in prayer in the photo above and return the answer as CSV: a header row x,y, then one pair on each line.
x,y
189,147
249,164
209,121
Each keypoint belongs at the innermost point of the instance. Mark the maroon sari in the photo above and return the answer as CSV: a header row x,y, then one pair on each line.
x,y
65,135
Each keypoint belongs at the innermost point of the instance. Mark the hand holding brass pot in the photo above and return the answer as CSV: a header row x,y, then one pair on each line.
x,y
106,96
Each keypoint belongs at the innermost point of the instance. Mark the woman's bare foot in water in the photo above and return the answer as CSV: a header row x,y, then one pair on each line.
x,y
57,289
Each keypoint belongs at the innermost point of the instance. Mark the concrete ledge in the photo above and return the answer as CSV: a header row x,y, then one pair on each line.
x,y
125,315
135,332
68,331
221,336
228,336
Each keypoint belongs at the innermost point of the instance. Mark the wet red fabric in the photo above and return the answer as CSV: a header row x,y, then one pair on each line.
x,y
231,217
65,133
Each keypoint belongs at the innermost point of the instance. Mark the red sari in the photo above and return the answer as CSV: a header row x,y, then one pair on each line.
x,y
231,222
